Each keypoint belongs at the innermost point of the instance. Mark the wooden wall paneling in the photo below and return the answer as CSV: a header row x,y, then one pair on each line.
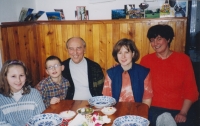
x,y
115,37
33,47
83,34
180,39
59,42
173,25
145,45
82,31
5,47
131,31
50,44
116,32
68,35
123,30
43,49
64,32
76,29
40,45
102,46
96,42
139,37
26,47
13,49
109,46
16,38
27,40
34,41
53,40
89,41
48,41
24,44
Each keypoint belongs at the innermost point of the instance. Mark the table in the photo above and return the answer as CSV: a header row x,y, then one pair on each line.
x,y
123,108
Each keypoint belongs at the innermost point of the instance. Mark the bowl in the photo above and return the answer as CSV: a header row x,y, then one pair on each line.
x,y
67,114
85,111
130,120
108,110
102,101
47,119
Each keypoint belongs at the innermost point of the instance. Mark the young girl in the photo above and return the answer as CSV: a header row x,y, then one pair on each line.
x,y
19,102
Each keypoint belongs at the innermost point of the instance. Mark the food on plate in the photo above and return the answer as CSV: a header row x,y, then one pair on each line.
x,y
85,111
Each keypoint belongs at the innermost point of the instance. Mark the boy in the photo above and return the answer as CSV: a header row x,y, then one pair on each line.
x,y
53,88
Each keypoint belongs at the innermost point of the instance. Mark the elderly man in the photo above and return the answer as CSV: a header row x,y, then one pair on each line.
x,y
85,76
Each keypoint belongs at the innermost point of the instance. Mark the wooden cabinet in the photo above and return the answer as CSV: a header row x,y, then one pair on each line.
x,y
33,42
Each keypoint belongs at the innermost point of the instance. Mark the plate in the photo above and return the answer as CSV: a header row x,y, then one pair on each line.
x,y
85,111
48,119
102,101
108,110
67,114
130,120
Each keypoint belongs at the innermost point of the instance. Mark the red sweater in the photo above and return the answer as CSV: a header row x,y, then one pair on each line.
x,y
173,80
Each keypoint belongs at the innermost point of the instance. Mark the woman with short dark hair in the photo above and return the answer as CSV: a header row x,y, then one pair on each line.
x,y
173,80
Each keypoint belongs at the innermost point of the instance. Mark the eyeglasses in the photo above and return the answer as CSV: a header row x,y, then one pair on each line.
x,y
53,67
15,62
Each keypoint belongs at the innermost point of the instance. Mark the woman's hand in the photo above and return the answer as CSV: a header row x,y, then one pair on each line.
x,y
55,100
182,115
179,118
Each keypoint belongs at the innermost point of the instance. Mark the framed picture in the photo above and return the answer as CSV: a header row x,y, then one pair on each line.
x,y
53,16
81,13
87,15
24,13
152,13
118,14
61,13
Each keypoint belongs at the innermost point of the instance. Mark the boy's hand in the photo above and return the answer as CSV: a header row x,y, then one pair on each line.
x,y
55,100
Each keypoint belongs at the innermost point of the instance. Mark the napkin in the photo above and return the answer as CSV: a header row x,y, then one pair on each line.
x,y
101,119
165,119
78,120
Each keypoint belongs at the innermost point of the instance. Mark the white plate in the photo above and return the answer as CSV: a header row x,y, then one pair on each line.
x,y
130,120
102,101
108,110
48,119
67,114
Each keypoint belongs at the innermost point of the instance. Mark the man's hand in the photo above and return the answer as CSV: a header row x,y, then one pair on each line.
x,y
55,100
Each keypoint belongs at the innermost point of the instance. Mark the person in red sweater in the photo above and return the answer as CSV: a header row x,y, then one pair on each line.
x,y
173,80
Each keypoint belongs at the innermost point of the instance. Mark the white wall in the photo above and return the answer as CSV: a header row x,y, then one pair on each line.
x,y
10,9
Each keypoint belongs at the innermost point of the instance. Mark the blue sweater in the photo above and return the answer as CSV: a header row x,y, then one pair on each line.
x,y
137,74
14,113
